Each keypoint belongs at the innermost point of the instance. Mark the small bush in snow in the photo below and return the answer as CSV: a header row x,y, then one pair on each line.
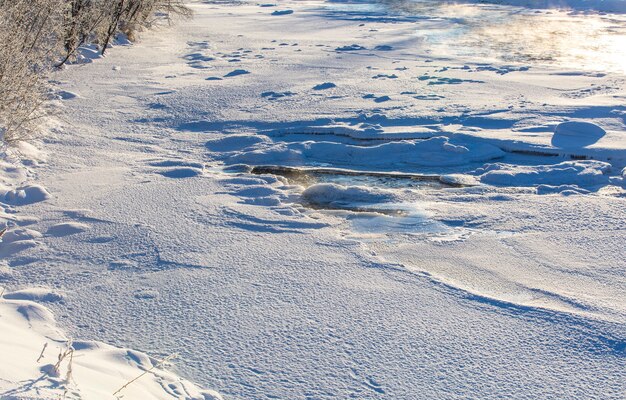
x,y
39,35
29,38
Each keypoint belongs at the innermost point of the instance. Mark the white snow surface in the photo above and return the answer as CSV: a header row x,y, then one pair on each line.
x,y
581,173
469,243
31,370
437,151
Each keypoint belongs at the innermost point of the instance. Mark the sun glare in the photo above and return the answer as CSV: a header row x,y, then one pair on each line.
x,y
545,37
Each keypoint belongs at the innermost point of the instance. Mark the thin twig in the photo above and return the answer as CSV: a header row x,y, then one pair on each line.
x,y
45,345
158,364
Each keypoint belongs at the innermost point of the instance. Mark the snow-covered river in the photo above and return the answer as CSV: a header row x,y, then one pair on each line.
x,y
441,213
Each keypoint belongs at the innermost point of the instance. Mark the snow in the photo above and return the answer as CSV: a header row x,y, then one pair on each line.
x,y
67,228
26,195
581,173
452,224
565,190
18,234
576,134
32,342
437,151
38,295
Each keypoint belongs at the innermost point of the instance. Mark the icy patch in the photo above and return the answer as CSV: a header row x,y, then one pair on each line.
x,y
396,218
581,173
459,180
338,196
371,211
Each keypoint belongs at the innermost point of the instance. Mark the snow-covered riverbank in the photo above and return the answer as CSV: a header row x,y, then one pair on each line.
x,y
40,362
505,279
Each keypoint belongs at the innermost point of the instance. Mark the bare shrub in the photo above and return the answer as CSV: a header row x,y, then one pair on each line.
x,y
29,42
38,35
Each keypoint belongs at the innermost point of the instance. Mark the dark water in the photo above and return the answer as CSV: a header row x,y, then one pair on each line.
x,y
310,176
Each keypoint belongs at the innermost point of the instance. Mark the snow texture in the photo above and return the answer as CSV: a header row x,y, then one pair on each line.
x,y
451,224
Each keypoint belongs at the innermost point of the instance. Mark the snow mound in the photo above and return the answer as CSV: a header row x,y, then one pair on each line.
x,y
573,134
30,154
581,173
40,295
235,142
565,190
30,345
26,195
15,235
88,54
330,194
9,248
437,151
67,228
182,172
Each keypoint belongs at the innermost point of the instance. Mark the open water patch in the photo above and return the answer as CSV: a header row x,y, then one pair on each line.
x,y
369,200
348,177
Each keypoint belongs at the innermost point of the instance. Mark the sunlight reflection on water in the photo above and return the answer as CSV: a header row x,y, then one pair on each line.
x,y
569,40
585,41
